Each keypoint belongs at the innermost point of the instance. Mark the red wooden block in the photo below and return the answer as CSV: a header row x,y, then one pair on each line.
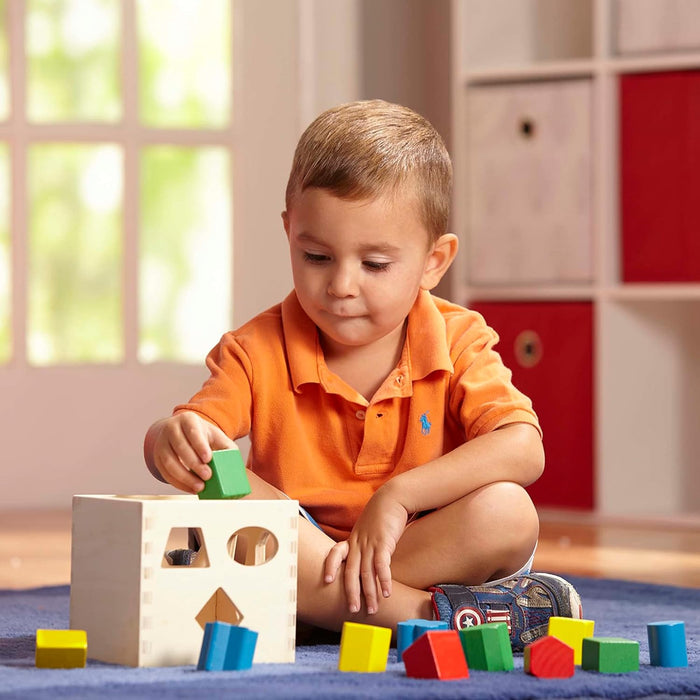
x,y
436,654
549,657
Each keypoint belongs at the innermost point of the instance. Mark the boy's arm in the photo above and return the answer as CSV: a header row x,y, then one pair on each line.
x,y
511,453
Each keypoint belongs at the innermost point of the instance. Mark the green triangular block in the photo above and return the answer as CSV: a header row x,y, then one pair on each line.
x,y
228,477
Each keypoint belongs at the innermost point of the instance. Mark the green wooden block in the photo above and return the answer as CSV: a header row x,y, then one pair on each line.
x,y
610,655
487,647
228,476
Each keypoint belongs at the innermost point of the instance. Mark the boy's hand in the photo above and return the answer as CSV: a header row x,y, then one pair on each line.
x,y
181,447
367,552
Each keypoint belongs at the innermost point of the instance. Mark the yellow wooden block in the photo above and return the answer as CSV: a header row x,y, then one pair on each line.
x,y
61,648
571,632
364,648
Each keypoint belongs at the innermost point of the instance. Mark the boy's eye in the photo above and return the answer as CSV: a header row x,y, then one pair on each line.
x,y
375,266
316,258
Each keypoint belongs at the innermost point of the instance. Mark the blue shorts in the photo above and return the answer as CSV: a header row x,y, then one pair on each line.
x,y
305,513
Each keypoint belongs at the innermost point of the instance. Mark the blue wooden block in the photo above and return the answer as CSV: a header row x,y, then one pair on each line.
x,y
667,645
212,656
423,626
408,631
404,636
241,648
226,647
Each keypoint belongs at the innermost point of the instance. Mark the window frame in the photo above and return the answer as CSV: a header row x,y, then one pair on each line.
x,y
130,135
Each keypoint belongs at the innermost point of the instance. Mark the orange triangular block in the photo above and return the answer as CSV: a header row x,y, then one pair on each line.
x,y
436,654
549,657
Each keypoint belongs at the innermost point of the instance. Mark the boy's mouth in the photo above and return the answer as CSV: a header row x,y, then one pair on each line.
x,y
343,313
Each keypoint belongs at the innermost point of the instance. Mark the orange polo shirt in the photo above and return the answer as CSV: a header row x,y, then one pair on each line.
x,y
321,442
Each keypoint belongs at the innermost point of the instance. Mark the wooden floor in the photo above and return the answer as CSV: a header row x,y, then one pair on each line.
x,y
35,548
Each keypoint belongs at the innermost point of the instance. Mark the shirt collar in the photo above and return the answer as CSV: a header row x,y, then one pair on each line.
x,y
301,342
425,352
426,338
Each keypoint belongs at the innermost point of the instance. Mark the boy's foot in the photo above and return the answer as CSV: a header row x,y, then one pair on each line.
x,y
525,603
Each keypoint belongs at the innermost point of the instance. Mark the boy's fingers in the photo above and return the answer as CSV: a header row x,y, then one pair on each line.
x,y
352,580
177,475
197,435
333,561
184,452
383,567
369,586
218,440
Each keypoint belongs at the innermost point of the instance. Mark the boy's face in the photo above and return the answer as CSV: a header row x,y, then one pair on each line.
x,y
358,265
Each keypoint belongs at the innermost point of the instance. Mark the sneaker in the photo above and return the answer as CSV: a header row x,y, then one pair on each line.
x,y
525,603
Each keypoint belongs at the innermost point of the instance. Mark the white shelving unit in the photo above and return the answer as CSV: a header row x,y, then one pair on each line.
x,y
647,336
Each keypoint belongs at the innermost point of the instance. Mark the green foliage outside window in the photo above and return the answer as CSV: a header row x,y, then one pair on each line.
x,y
75,254
73,60
185,60
185,252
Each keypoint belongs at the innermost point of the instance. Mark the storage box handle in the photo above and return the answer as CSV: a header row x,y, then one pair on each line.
x,y
528,348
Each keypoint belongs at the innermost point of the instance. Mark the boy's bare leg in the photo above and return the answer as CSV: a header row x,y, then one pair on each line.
x,y
325,604
486,535
456,544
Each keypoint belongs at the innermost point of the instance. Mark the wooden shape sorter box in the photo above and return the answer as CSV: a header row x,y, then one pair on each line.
x,y
141,610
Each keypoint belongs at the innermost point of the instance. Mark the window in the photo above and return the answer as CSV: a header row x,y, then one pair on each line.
x,y
5,339
72,60
4,99
75,253
118,115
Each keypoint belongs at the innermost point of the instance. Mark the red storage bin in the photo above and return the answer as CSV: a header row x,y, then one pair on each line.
x,y
660,176
549,348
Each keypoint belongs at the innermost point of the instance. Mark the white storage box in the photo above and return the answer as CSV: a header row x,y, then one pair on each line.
x,y
651,26
529,194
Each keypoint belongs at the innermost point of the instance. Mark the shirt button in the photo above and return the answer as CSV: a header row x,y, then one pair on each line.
x,y
360,415
399,379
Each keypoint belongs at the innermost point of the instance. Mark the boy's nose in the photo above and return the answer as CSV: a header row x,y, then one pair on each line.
x,y
343,283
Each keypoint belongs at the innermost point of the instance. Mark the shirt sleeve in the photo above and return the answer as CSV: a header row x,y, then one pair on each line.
x,y
482,396
225,398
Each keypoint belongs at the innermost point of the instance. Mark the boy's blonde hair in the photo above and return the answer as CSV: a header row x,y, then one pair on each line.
x,y
371,148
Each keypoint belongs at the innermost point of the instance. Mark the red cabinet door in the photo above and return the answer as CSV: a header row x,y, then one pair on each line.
x,y
549,348
660,176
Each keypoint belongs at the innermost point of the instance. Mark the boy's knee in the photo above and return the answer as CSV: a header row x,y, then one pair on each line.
x,y
512,511
515,524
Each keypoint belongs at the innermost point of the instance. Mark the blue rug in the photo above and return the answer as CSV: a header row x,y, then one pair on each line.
x,y
620,609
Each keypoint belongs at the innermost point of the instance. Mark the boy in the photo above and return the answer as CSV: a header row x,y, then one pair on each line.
x,y
383,410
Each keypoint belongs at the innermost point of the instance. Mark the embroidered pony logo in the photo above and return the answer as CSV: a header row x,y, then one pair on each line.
x,y
425,424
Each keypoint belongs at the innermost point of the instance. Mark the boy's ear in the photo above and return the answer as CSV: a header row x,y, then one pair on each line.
x,y
439,260
285,221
